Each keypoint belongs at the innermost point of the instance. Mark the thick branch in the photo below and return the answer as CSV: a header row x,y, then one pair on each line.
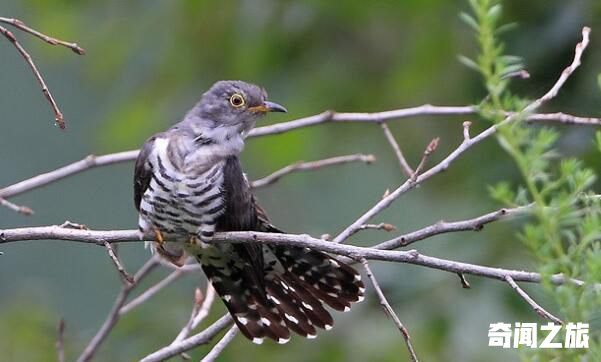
x,y
354,252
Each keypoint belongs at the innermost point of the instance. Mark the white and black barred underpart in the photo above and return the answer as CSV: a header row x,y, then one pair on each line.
x,y
270,290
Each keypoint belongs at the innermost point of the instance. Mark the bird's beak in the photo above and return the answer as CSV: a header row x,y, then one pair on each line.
x,y
268,107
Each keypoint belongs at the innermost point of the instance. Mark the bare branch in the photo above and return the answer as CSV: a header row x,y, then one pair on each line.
x,y
220,346
397,150
113,255
441,227
187,344
199,313
150,292
309,166
353,252
467,144
48,39
389,311
58,116
537,308
90,161
114,315
18,208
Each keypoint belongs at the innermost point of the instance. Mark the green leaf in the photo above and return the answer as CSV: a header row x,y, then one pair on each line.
x,y
468,62
469,20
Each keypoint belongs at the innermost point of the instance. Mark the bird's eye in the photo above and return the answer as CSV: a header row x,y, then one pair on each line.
x,y
237,100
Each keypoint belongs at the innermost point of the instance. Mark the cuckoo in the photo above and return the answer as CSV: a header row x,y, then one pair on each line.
x,y
188,184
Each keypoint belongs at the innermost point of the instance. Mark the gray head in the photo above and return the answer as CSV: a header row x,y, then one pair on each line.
x,y
231,105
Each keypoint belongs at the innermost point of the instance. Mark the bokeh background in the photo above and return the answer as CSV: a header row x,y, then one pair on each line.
x,y
148,62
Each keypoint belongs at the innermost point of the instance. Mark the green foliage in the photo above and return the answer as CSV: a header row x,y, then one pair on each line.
x,y
566,228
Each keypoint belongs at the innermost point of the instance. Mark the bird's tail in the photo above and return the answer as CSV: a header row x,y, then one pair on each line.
x,y
290,295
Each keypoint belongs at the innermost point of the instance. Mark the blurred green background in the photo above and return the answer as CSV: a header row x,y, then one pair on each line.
x,y
148,62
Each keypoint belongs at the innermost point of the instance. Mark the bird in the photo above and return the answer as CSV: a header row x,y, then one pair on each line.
x,y
189,184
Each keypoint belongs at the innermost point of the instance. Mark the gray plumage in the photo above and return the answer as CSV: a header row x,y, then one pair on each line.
x,y
188,184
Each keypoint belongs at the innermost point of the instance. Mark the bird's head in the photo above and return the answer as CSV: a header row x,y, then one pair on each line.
x,y
232,105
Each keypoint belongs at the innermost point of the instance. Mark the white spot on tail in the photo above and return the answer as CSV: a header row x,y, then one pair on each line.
x,y
291,318
337,287
227,297
266,321
307,306
346,308
357,277
360,298
302,277
311,336
258,340
283,340
242,321
334,263
333,295
361,290
327,327
273,299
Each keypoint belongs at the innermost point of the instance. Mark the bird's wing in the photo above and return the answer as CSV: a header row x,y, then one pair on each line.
x,y
142,173
241,214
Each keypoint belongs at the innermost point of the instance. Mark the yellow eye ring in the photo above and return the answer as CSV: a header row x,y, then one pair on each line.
x,y
237,100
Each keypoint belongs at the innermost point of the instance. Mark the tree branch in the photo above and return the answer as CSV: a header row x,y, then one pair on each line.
x,y
353,252
537,308
187,344
220,346
389,311
467,144
397,150
114,315
58,115
310,166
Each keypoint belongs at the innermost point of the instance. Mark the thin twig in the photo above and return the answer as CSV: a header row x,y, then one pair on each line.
x,y
60,341
466,130
58,116
113,255
150,292
397,150
537,308
48,39
187,344
220,346
467,144
199,313
389,311
309,166
442,227
88,162
464,283
114,315
432,146
18,208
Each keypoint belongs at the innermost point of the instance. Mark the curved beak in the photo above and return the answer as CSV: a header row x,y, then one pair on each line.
x,y
274,107
268,106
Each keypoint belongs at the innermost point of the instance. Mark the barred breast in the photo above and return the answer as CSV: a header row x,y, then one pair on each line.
x,y
180,202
